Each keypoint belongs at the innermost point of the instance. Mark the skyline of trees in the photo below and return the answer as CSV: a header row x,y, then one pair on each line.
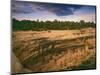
x,y
49,25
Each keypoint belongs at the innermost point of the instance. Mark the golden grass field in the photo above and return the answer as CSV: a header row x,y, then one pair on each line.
x,y
53,50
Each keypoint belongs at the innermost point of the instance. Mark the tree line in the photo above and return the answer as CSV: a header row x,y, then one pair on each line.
x,y
24,25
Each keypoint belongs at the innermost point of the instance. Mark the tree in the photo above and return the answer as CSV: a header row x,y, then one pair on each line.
x,y
49,25
82,22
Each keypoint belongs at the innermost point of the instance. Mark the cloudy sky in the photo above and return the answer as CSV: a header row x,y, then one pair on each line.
x,y
50,11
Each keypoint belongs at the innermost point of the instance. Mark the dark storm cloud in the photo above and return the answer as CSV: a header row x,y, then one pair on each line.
x,y
62,9
21,7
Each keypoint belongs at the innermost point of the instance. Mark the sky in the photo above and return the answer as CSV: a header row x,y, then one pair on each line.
x,y
23,10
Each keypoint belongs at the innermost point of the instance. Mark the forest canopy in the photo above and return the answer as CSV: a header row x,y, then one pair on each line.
x,y
24,25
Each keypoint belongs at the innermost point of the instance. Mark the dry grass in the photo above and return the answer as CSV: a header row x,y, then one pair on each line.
x,y
36,49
